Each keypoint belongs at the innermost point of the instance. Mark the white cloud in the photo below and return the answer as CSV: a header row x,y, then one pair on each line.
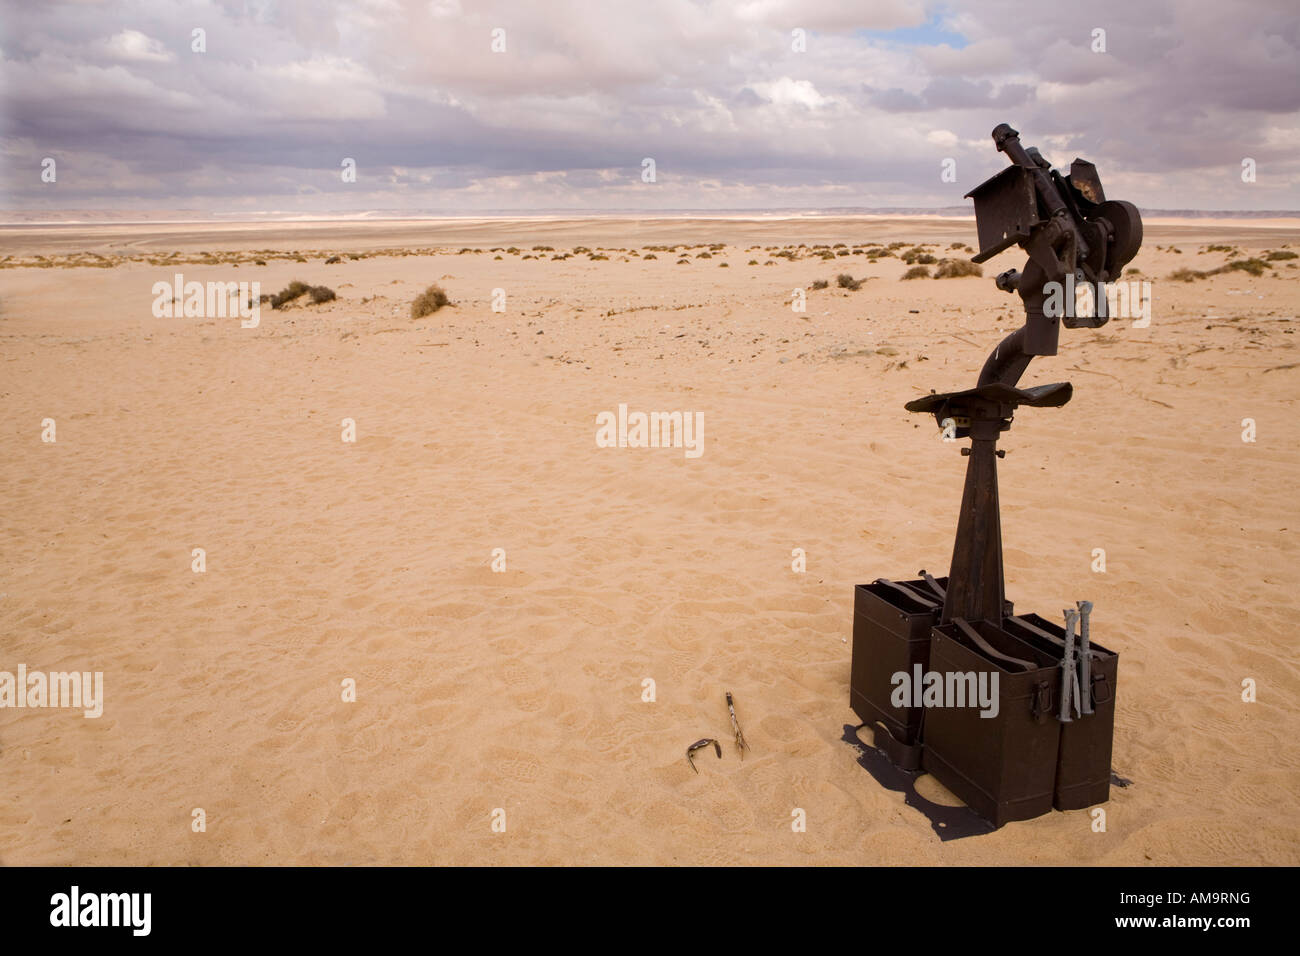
x,y
788,92
712,90
133,46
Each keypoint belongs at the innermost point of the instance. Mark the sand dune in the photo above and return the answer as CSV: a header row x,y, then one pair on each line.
x,y
522,690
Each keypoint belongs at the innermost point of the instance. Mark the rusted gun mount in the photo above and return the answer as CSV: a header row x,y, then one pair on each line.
x,y
976,589
1065,224
1049,742
1068,228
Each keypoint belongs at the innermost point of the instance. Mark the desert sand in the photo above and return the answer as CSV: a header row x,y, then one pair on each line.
x,y
522,690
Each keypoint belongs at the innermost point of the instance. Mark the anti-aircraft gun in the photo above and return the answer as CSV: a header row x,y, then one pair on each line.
x,y
1034,755
1073,234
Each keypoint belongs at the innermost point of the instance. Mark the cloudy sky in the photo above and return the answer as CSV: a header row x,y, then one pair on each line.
x,y
734,116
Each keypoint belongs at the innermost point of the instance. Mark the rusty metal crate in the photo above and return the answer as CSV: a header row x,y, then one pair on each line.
x,y
1083,766
1003,767
891,634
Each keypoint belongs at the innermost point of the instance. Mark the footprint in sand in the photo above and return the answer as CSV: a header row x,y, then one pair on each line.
x,y
527,686
575,721
514,765
605,672
286,721
455,611
384,674
796,740
682,664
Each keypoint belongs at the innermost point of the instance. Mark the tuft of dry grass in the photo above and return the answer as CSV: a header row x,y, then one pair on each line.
x,y
295,290
846,281
290,292
1255,267
956,268
429,301
917,272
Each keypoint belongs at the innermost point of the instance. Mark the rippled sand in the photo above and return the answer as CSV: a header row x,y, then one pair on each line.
x,y
523,690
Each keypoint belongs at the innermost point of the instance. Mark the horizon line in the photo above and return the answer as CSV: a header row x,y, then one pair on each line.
x,y
182,215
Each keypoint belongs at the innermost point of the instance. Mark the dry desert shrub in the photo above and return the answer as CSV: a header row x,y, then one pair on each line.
x,y
1255,267
290,292
956,268
295,290
429,301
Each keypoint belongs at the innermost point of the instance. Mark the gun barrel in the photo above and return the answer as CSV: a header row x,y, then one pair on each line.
x,y
1007,141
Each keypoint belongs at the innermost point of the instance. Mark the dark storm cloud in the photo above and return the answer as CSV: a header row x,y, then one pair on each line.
x,y
716,93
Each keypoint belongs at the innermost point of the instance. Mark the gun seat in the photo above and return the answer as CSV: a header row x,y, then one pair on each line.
x,y
989,403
